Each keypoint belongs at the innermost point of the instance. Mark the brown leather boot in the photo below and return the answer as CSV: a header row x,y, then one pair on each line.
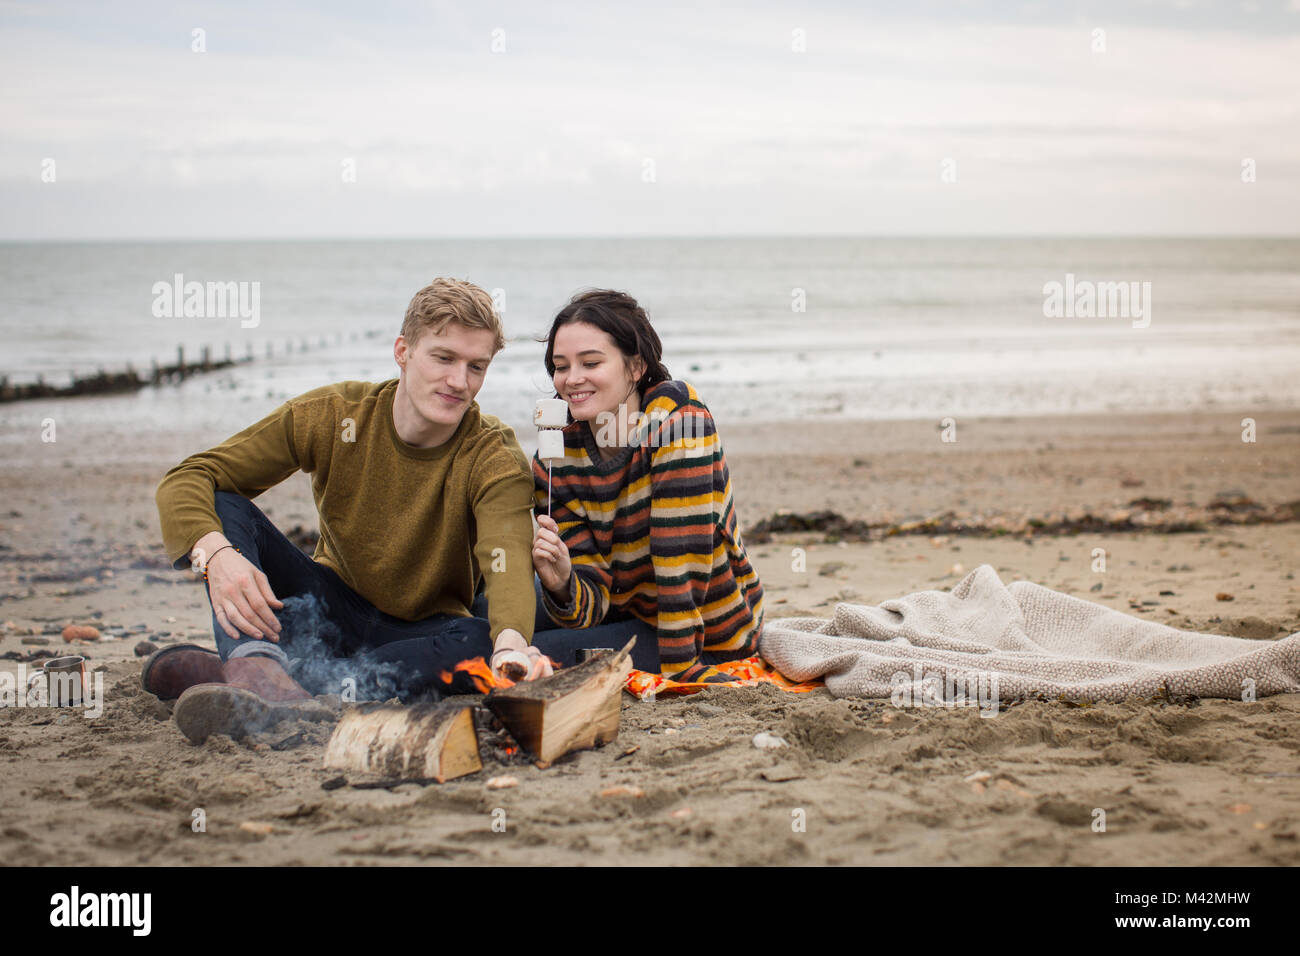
x,y
264,676
207,709
169,672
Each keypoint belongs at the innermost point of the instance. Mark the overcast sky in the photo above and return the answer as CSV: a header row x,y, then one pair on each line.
x,y
665,118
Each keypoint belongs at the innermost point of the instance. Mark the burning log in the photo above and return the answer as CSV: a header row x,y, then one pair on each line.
x,y
422,742
572,710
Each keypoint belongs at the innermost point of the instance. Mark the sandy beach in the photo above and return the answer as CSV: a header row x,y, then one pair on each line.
x,y
1206,782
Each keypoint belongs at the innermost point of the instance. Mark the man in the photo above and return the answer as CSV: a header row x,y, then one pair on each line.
x,y
421,497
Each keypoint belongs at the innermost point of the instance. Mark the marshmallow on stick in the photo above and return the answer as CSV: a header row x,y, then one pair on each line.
x,y
550,445
550,415
513,665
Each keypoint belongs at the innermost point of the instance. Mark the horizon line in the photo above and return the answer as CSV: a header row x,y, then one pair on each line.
x,y
604,237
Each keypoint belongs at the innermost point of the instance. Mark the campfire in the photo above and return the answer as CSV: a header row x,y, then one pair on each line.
x,y
514,723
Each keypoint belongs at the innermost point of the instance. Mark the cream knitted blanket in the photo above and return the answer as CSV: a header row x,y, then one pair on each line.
x,y
983,641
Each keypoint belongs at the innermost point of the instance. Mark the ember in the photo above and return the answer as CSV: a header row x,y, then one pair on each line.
x,y
495,742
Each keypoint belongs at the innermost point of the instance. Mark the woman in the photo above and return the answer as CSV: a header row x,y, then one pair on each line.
x,y
642,538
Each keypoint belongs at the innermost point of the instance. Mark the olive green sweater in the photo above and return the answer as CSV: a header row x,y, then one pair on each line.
x,y
409,529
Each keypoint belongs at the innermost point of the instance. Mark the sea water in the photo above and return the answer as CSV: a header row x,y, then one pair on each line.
x,y
765,328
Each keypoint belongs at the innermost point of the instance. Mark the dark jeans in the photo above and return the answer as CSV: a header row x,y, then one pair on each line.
x,y
330,635
562,644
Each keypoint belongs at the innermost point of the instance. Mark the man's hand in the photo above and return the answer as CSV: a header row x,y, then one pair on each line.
x,y
551,557
241,595
511,653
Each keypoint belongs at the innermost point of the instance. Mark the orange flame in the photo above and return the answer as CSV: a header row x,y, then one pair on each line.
x,y
482,675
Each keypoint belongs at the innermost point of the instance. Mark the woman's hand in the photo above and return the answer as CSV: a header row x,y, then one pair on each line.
x,y
513,658
551,558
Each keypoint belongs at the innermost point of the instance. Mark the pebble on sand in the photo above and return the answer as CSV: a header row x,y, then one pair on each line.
x,y
1224,596
622,791
80,632
1007,785
502,783
145,648
765,741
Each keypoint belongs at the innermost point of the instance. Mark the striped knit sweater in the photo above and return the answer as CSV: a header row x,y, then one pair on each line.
x,y
653,531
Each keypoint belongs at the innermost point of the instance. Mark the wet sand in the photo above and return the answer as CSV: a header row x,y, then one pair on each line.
x,y
1203,782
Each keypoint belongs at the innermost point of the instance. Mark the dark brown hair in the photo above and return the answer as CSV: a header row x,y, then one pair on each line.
x,y
618,315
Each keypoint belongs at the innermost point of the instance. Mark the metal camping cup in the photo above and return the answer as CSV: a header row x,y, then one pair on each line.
x,y
63,680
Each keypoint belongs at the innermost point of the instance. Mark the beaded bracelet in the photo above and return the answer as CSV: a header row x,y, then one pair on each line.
x,y
213,555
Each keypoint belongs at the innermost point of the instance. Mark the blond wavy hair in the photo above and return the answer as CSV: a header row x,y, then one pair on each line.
x,y
451,300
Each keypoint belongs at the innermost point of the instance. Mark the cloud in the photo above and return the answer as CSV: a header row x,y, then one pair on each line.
x,y
562,122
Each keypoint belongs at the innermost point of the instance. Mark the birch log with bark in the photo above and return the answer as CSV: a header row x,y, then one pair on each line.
x,y
420,742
